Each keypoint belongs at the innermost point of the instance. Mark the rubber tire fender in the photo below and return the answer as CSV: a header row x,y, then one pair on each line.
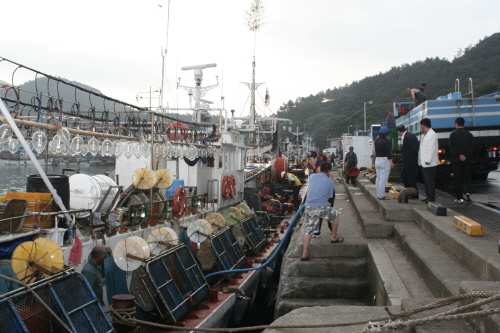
x,y
238,312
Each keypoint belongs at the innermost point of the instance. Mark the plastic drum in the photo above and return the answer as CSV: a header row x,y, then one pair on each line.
x,y
87,191
106,183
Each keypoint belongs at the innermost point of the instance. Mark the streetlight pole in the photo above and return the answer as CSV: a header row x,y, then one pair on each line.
x,y
364,104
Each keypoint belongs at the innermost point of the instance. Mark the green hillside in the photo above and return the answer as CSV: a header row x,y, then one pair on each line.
x,y
323,119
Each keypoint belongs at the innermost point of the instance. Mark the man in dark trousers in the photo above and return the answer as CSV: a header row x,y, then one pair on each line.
x,y
351,161
409,152
461,148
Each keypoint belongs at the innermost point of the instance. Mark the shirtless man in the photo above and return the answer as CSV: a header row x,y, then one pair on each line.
x,y
417,95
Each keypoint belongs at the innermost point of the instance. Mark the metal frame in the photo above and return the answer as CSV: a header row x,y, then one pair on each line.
x,y
167,285
57,304
227,252
254,235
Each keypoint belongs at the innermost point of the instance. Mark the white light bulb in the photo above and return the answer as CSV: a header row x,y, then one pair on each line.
x,y
77,144
93,146
5,133
39,141
13,145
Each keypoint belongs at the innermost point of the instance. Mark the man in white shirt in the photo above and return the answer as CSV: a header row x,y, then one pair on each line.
x,y
428,158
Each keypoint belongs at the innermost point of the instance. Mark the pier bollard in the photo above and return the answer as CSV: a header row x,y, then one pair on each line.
x,y
124,304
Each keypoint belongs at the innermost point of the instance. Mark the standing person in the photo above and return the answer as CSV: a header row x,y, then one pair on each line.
x,y
461,148
383,161
422,87
409,152
296,186
92,270
417,95
390,122
314,161
428,158
320,189
321,156
351,161
332,159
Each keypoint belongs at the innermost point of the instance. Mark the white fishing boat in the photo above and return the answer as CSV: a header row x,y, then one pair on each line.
x,y
176,207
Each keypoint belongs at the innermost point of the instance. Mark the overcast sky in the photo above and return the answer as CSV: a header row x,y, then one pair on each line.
x,y
305,46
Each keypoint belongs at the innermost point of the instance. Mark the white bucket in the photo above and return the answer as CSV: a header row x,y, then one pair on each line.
x,y
86,192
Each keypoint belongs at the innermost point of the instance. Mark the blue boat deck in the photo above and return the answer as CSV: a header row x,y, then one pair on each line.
x,y
479,113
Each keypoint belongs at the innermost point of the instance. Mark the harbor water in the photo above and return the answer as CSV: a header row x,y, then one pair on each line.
x,y
14,177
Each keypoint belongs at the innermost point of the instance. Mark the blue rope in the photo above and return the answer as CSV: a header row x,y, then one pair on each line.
x,y
272,257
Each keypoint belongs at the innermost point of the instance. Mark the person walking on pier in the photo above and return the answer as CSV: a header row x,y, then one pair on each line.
x,y
409,152
383,161
428,158
319,191
461,148
351,161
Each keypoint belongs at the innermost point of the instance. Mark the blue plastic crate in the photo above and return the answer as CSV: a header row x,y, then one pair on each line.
x,y
455,95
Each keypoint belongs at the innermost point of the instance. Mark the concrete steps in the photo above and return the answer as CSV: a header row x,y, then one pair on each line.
x,y
372,223
289,305
440,271
326,267
326,287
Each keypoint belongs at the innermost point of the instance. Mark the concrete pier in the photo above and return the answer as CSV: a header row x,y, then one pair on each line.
x,y
394,254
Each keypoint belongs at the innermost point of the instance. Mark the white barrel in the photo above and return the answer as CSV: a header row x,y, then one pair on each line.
x,y
86,192
106,183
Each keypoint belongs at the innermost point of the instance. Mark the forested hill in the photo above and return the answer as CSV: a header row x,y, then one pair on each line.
x,y
332,118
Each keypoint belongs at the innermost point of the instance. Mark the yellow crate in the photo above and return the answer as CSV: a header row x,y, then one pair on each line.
x,y
468,226
37,202
2,199
393,194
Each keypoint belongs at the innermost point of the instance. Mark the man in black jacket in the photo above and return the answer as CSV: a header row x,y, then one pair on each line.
x,y
409,152
461,148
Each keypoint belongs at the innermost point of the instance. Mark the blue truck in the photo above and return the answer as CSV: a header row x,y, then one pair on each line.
x,y
482,119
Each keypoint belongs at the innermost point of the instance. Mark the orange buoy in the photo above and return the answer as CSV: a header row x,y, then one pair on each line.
x,y
280,165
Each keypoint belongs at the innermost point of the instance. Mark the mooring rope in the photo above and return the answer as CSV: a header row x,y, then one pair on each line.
x,y
393,324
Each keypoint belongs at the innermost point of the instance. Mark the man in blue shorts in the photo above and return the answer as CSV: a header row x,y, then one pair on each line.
x,y
320,189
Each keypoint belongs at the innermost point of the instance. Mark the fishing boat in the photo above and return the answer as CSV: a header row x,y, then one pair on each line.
x,y
180,233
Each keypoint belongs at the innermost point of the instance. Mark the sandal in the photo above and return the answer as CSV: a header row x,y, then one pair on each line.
x,y
306,259
384,198
339,240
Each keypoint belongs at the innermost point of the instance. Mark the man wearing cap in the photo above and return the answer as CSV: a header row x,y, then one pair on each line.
x,y
320,189
295,184
351,161
314,161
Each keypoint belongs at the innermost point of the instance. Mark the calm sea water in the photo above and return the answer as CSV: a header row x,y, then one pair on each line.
x,y
13,178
